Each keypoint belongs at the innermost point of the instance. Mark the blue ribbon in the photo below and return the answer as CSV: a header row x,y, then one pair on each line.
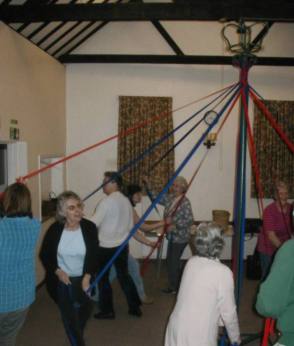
x,y
150,196
160,195
162,139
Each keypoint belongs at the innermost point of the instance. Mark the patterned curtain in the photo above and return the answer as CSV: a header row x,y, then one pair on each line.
x,y
133,110
275,160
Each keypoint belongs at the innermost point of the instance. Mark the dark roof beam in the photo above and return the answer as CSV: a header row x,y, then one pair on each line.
x,y
261,35
167,37
169,59
60,37
42,26
29,3
213,10
52,44
77,44
84,38
53,31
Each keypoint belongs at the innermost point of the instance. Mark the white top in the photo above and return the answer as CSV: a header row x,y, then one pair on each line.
x,y
114,219
205,301
71,252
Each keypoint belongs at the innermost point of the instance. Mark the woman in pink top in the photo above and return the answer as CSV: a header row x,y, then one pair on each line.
x,y
277,227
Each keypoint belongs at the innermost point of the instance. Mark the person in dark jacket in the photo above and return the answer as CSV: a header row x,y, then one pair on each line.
x,y
69,255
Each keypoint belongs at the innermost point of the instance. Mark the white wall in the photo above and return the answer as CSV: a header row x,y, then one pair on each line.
x,y
92,103
32,91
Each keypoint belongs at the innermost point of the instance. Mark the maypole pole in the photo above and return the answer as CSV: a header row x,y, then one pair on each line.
x,y
244,59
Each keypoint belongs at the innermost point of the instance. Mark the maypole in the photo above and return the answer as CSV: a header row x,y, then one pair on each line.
x,y
244,59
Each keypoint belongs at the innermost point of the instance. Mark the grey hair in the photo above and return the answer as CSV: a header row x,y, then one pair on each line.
x,y
61,201
208,240
182,182
279,185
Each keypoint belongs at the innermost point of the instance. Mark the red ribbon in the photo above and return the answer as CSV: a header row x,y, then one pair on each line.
x,y
272,121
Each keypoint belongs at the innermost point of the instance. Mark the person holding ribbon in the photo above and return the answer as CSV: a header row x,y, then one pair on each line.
x,y
179,218
69,254
114,218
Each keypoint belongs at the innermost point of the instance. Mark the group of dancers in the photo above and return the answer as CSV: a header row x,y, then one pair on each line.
x,y
75,249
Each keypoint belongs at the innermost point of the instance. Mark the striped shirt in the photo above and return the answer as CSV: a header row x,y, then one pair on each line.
x,y
18,238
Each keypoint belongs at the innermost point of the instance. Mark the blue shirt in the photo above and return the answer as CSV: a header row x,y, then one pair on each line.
x,y
18,238
71,252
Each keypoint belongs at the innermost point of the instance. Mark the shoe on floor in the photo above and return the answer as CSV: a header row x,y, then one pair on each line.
x,y
135,312
169,290
105,315
147,300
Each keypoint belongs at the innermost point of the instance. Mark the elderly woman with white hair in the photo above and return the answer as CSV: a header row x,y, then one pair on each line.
x,y
178,213
206,296
69,255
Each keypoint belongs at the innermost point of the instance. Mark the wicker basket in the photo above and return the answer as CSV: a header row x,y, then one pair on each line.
x,y
221,217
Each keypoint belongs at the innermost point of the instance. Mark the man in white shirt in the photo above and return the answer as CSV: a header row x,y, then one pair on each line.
x,y
114,219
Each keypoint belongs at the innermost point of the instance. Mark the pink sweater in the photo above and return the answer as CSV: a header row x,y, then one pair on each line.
x,y
278,222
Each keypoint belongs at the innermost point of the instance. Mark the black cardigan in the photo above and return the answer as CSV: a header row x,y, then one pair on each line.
x,y
48,253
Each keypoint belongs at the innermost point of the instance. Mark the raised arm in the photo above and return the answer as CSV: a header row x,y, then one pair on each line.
x,y
148,227
139,235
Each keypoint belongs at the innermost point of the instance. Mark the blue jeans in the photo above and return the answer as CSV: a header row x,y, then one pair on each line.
x,y
134,271
265,264
75,308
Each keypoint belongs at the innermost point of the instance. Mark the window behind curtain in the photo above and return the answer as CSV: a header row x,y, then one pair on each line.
x,y
133,110
275,160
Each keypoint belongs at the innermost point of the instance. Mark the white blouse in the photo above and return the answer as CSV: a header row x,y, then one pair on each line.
x,y
205,301
71,252
114,219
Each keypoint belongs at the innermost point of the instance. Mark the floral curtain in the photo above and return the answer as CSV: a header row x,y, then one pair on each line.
x,y
275,160
133,110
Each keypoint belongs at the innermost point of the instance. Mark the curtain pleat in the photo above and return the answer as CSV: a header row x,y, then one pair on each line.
x,y
133,110
275,160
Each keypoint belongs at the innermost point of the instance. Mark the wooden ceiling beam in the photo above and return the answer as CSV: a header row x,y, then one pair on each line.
x,y
213,10
168,59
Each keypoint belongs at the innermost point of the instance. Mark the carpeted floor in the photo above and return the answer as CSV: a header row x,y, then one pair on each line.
x,y
43,326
